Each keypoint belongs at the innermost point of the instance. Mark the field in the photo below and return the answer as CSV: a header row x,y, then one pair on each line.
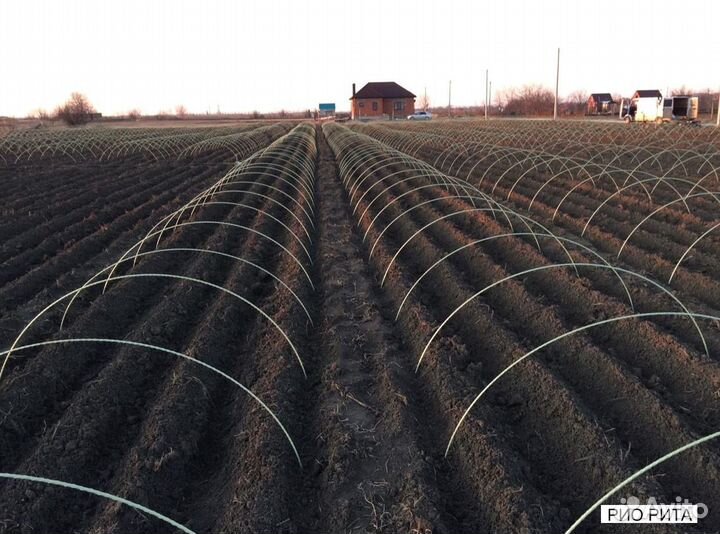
x,y
446,327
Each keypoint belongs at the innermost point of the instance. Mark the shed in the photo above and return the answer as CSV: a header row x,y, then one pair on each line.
x,y
646,105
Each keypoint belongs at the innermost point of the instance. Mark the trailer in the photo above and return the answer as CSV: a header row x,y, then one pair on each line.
x,y
680,108
644,106
650,106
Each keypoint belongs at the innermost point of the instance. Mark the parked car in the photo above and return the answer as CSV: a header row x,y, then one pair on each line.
x,y
420,116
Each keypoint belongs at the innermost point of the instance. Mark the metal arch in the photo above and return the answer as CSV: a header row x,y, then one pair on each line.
x,y
641,183
415,145
289,230
469,150
395,183
499,153
293,157
442,218
505,211
191,223
486,151
391,159
230,225
299,161
426,173
690,315
639,165
664,179
687,251
271,199
419,205
514,153
352,158
351,161
291,198
705,158
697,184
424,186
182,249
158,348
535,162
275,168
637,474
566,169
179,212
557,266
446,152
590,178
300,181
9,352
515,234
386,161
430,170
683,199
92,491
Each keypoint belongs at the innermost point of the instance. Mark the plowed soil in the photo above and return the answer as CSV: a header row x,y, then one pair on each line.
x,y
545,443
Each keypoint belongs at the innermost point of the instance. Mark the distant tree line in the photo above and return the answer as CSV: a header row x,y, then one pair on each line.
x,y
78,110
538,101
526,101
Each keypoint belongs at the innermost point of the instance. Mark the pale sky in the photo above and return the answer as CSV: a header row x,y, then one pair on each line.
x,y
291,54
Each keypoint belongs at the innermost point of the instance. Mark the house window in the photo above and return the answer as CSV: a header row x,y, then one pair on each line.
x,y
399,105
362,104
374,106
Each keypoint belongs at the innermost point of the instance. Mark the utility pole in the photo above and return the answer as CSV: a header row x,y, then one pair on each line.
x,y
486,93
490,95
712,105
718,114
425,102
557,85
449,99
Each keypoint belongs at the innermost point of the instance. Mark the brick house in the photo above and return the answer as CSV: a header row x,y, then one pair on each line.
x,y
600,104
382,100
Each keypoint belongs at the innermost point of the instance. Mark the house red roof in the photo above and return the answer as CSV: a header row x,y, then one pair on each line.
x,y
383,90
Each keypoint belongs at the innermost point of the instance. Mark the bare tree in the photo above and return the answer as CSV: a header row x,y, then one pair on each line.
x,y
576,102
77,110
134,114
41,114
527,100
424,102
503,97
180,111
681,91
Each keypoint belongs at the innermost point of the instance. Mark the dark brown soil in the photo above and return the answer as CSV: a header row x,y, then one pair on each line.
x,y
547,441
